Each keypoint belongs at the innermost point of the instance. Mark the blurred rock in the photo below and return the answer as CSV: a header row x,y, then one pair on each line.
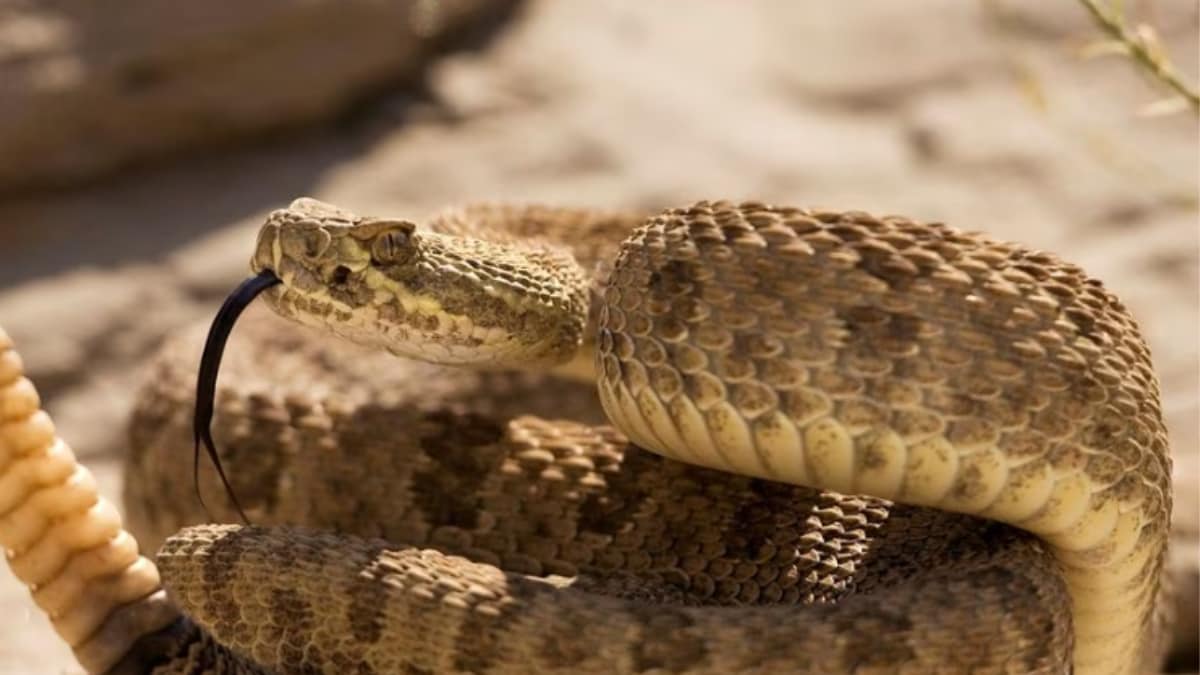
x,y
86,88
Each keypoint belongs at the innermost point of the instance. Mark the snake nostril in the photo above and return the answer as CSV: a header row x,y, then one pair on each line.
x,y
340,274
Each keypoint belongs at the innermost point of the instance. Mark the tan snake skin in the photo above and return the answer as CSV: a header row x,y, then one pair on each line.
x,y
884,357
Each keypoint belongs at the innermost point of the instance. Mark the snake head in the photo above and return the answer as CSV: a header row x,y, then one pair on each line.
x,y
385,283
316,247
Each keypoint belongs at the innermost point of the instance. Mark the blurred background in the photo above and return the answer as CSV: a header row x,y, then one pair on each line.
x,y
141,144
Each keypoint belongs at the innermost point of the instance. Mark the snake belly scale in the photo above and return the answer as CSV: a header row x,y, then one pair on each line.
x,y
763,347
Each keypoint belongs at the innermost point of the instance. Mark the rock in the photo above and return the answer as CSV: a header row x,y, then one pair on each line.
x,y
86,88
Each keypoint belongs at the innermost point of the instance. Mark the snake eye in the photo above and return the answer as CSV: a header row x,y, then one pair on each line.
x,y
391,246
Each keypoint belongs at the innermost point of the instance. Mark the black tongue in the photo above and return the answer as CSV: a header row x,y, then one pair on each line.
x,y
206,382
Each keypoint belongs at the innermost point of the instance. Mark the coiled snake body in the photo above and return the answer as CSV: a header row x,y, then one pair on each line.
x,y
994,407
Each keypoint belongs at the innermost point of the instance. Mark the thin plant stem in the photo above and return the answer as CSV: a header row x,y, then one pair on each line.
x,y
1138,49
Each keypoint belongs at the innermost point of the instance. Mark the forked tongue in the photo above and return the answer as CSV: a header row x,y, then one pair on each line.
x,y
206,382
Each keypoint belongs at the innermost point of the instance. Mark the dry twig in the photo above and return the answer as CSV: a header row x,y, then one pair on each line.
x,y
1142,46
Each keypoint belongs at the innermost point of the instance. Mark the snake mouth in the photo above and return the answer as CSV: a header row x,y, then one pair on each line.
x,y
206,381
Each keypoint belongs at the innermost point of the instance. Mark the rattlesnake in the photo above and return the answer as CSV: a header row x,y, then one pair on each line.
x,y
777,347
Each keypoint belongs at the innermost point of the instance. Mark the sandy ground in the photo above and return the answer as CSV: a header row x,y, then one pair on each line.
x,y
975,113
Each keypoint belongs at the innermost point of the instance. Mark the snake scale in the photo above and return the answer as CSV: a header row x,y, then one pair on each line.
x,y
876,445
